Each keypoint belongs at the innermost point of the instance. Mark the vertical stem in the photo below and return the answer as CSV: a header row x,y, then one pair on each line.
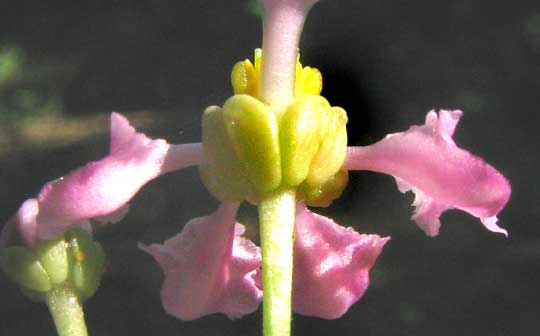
x,y
283,21
282,26
66,310
276,217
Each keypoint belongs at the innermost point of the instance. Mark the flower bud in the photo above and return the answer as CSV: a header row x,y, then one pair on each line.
x,y
302,129
322,195
87,262
53,257
222,174
21,266
333,148
75,261
253,133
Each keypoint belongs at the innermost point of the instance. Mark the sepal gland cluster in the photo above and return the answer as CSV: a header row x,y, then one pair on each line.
x,y
253,150
75,261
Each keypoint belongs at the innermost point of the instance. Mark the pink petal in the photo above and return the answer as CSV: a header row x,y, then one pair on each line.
x,y
113,217
426,160
331,265
209,268
22,226
102,188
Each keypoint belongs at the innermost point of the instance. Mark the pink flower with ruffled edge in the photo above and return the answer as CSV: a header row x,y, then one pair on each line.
x,y
101,189
331,265
209,268
426,160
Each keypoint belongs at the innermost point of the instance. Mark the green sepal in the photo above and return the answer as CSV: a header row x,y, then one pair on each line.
x,y
53,258
21,265
324,194
302,128
87,262
253,133
222,174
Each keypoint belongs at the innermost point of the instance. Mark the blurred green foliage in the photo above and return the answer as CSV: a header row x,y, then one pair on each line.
x,y
531,30
11,60
22,95
254,7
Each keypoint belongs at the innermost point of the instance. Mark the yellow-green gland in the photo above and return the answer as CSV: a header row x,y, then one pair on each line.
x,y
75,261
252,151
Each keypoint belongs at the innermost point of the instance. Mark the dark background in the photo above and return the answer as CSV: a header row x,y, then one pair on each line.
x,y
64,65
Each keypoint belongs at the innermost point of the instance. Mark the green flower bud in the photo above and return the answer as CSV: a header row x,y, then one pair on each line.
x,y
253,133
53,258
223,174
87,262
333,149
76,262
322,195
21,265
302,128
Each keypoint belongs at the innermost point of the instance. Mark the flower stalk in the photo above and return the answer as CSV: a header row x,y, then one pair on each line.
x,y
283,21
276,222
66,309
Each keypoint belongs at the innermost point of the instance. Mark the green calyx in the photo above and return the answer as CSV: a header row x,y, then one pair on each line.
x,y
75,262
252,151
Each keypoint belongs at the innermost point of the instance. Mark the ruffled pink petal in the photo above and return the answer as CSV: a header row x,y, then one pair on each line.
x,y
209,268
331,265
426,160
103,187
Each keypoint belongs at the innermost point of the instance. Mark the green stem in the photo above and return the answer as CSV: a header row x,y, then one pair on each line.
x,y
66,310
276,217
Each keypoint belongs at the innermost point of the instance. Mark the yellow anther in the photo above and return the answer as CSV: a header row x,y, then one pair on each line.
x,y
244,79
308,81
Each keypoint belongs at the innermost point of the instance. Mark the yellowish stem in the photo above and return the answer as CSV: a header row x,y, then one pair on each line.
x,y
276,220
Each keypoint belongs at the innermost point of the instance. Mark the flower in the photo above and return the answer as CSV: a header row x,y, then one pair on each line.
x,y
331,263
426,160
101,189
209,268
